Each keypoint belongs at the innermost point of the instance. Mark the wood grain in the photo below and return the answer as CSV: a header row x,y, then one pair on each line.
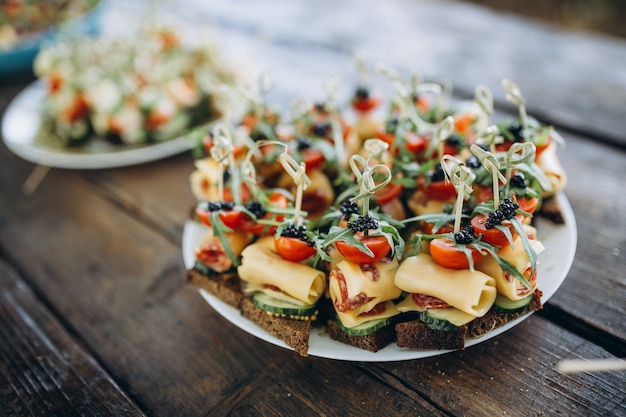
x,y
99,319
43,370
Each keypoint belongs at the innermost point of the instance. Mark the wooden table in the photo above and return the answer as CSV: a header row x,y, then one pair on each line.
x,y
95,314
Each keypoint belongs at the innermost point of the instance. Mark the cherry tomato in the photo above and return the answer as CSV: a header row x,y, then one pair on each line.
x,y
428,228
312,158
388,137
445,253
293,249
230,218
528,204
245,193
483,193
377,244
365,104
437,190
422,103
388,193
493,235
238,150
463,122
416,143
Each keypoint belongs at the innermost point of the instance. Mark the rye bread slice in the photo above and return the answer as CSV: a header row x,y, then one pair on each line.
x,y
494,318
416,335
226,287
551,210
373,342
294,333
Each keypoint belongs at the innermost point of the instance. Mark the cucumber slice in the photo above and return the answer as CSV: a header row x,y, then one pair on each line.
x,y
283,308
366,328
436,324
504,304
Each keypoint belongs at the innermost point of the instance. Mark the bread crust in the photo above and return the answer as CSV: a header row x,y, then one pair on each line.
x,y
294,333
226,287
414,334
373,341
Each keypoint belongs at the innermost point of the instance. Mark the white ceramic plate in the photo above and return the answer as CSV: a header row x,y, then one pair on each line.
x,y
23,118
554,264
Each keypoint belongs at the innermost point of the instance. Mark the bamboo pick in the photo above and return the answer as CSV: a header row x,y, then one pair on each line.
x,y
569,366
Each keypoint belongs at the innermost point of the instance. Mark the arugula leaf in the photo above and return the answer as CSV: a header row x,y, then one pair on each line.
x,y
220,230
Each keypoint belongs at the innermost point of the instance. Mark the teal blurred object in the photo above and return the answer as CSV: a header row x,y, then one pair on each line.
x,y
17,63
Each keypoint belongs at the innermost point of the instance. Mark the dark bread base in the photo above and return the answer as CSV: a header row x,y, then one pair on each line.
x,y
294,333
226,287
415,335
551,210
373,342
494,319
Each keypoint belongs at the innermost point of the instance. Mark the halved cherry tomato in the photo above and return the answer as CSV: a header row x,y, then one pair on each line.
x,y
377,244
293,249
248,224
422,103
365,104
428,228
245,193
463,122
388,137
482,193
493,235
445,253
415,143
388,193
230,218
437,190
238,150
313,158
528,204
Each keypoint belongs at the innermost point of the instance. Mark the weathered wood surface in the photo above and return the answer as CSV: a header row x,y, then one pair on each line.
x,y
100,267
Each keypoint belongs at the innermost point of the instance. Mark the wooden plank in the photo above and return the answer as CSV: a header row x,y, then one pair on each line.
x,y
133,309
43,371
596,295
465,43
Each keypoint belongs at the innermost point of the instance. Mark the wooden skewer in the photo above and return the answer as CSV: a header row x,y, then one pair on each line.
x,y
34,179
597,365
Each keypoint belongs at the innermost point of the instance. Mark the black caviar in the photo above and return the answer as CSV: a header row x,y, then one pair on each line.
x,y
465,236
348,208
219,205
363,223
518,180
256,208
506,211
297,232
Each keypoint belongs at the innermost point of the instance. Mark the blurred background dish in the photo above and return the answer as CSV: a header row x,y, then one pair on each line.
x,y
25,25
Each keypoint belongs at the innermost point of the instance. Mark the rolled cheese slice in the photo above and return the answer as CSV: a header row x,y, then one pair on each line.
x,y
262,266
205,179
472,292
551,166
371,282
505,284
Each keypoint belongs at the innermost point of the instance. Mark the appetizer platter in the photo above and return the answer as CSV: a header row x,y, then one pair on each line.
x,y
26,25
88,111
377,236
